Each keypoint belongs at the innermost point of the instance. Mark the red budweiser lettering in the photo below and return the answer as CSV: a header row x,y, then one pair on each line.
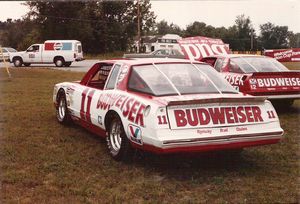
x,y
218,116
195,48
235,79
130,108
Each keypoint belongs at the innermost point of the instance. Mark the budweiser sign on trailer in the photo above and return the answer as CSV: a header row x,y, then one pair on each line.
x,y
195,48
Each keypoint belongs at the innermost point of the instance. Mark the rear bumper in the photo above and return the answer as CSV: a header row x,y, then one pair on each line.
x,y
79,59
215,143
288,96
277,95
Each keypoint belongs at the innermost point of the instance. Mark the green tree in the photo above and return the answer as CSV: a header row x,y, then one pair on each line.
x,y
101,26
18,34
230,37
196,29
244,30
162,28
294,40
273,36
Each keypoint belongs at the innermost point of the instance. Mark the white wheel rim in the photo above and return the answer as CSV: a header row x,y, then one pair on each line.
x,y
59,63
115,136
61,109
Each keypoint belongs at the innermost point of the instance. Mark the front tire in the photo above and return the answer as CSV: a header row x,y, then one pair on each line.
x,y
18,62
62,113
117,142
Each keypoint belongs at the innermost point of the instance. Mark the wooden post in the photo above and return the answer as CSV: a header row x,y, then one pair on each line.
x,y
5,63
139,26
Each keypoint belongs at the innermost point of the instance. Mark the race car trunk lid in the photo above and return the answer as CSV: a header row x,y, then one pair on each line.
x,y
274,84
219,112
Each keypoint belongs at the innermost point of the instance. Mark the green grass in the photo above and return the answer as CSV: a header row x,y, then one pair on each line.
x,y
45,162
292,65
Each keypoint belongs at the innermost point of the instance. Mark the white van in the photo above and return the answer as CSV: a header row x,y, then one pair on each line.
x,y
59,52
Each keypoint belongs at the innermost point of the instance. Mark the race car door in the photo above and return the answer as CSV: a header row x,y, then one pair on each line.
x,y
85,96
94,112
33,54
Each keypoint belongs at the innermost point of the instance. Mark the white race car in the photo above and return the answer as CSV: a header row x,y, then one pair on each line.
x,y
165,106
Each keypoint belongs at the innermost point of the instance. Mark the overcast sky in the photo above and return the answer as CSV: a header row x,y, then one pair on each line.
x,y
213,12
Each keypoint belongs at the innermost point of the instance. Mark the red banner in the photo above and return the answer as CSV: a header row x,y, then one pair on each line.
x,y
195,48
284,55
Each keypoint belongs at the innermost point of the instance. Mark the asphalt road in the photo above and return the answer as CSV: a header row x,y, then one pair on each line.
x,y
82,66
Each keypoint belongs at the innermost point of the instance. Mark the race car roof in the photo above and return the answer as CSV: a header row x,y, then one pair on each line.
x,y
236,55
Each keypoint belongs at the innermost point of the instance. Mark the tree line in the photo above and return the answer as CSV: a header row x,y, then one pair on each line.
x,y
239,35
108,26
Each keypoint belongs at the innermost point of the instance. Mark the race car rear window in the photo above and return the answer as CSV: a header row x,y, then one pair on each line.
x,y
147,79
174,79
258,64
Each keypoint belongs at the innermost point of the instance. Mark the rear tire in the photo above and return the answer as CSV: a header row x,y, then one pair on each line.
x,y
18,62
119,146
27,64
67,64
62,113
282,104
59,61
289,103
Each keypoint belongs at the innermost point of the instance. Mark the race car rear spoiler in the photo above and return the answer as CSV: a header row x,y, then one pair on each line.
x,y
294,73
218,100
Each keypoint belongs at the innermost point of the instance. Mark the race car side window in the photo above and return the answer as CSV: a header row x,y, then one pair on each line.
x,y
211,61
110,84
234,67
219,64
99,78
136,83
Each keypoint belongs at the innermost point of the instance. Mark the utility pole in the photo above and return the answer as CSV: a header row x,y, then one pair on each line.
x,y
139,29
251,39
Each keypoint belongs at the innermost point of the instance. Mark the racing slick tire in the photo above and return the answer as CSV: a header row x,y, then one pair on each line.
x,y
117,142
26,64
67,64
17,61
59,61
283,104
62,113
